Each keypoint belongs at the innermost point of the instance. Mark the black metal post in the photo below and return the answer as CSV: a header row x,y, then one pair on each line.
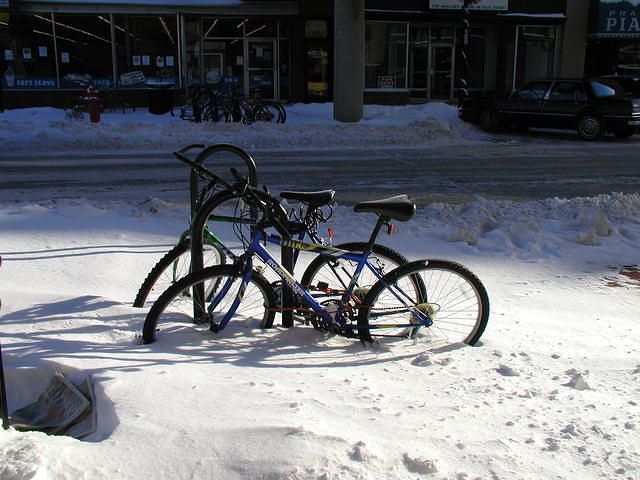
x,y
3,391
3,395
287,260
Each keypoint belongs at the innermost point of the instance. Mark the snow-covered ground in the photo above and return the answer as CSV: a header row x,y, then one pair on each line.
x,y
308,126
551,391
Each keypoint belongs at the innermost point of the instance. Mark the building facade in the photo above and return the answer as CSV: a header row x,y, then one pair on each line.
x,y
414,49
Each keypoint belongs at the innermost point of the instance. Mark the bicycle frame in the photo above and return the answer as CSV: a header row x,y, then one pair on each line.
x,y
328,318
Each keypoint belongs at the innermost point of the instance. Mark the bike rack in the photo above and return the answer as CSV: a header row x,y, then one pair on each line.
x,y
200,216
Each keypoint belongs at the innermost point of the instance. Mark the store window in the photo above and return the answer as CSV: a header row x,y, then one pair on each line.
x,y
628,58
385,55
535,54
28,52
317,63
84,50
192,34
147,50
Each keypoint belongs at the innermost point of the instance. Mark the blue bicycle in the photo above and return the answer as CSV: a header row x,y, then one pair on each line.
x,y
438,301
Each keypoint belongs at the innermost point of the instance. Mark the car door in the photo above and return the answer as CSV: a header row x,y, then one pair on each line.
x,y
523,107
561,106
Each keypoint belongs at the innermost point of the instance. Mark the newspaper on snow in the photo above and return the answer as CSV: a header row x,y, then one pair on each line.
x,y
87,422
60,405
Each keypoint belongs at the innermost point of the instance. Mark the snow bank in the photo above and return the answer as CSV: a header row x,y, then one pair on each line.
x,y
308,126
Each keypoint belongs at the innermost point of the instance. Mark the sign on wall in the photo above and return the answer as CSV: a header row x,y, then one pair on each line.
x,y
618,18
489,5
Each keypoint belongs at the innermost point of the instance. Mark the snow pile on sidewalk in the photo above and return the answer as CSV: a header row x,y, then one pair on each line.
x,y
550,392
307,126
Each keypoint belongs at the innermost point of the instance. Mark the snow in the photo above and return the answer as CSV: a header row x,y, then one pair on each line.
x,y
309,126
551,390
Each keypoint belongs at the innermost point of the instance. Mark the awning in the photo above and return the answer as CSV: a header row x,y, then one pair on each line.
x,y
237,7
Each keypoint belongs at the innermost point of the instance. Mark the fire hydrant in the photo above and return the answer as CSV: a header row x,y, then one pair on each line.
x,y
92,98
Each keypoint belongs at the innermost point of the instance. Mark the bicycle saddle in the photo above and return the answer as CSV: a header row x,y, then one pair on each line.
x,y
400,207
313,199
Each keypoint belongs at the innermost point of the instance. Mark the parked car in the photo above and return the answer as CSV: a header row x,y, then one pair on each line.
x,y
590,106
630,83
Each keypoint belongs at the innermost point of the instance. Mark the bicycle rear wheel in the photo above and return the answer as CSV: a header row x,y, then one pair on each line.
x,y
172,267
174,309
448,294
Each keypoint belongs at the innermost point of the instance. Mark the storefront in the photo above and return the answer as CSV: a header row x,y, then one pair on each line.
x,y
614,39
62,47
282,49
418,51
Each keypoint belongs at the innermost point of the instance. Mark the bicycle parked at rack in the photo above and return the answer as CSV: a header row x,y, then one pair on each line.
x,y
208,104
223,206
439,301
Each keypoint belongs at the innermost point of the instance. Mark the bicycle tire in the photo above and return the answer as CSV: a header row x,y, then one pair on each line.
x,y
453,297
176,303
268,112
324,268
173,266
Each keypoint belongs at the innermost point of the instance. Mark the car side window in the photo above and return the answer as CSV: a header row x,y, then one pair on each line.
x,y
532,91
572,91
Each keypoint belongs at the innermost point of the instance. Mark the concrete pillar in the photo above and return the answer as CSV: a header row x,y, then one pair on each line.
x,y
348,60
574,39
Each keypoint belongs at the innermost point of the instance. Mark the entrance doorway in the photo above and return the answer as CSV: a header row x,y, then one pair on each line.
x,y
441,71
431,63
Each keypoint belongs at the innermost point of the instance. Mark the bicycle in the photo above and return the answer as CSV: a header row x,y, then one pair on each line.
x,y
179,261
237,107
439,300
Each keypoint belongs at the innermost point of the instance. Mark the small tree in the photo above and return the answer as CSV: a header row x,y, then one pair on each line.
x,y
465,71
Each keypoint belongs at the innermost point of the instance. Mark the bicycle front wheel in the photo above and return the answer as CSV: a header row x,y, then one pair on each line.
x,y
222,284
172,267
452,298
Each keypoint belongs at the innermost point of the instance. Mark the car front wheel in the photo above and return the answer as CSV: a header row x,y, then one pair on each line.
x,y
590,127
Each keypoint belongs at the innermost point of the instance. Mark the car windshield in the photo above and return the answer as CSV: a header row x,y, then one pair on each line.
x,y
607,87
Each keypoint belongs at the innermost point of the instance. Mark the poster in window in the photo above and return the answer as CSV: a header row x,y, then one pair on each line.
x,y
8,55
26,53
64,57
386,81
136,60
169,61
146,60
42,51
159,62
239,60
259,52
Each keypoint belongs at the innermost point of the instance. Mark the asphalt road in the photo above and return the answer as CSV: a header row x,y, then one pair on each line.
x,y
514,170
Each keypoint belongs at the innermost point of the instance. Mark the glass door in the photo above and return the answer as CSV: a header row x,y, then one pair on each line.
x,y
441,72
418,61
261,68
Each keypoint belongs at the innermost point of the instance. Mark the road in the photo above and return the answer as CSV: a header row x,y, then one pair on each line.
x,y
520,171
